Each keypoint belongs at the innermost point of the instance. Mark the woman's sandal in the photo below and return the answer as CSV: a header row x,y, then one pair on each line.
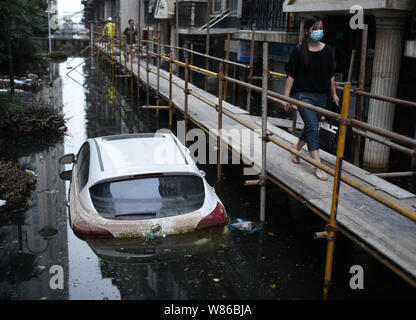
x,y
321,175
295,159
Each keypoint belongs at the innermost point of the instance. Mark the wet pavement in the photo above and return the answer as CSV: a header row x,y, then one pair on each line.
x,y
281,261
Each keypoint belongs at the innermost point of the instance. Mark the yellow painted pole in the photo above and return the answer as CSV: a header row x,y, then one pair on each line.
x,y
155,107
278,75
335,192
291,21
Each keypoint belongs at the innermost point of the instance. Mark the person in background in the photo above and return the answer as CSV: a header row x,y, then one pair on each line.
x,y
130,35
109,31
109,28
310,77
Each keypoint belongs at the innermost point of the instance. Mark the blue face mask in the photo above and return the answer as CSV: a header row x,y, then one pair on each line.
x,y
317,35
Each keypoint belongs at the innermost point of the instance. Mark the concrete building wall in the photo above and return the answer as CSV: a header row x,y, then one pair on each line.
x,y
129,9
344,5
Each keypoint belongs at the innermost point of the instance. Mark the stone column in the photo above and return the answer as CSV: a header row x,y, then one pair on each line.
x,y
387,58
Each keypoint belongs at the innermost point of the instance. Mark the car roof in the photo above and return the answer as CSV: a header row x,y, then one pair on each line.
x,y
134,154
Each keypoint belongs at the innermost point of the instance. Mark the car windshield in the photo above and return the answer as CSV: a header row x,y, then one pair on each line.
x,y
148,197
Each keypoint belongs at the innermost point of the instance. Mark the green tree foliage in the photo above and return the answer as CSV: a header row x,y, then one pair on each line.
x,y
26,18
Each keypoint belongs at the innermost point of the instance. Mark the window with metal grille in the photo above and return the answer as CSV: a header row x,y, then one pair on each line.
x,y
267,15
216,6
219,6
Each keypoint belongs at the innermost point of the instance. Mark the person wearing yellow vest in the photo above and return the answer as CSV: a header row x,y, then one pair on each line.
x,y
110,28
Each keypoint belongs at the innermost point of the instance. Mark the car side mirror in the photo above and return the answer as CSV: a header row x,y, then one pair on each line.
x,y
66,175
67,159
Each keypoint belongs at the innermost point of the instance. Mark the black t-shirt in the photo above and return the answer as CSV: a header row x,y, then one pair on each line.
x,y
317,76
127,33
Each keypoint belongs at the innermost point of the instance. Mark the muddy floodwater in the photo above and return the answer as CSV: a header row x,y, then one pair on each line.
x,y
281,261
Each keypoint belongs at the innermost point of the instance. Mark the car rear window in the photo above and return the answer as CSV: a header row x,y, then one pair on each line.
x,y
148,197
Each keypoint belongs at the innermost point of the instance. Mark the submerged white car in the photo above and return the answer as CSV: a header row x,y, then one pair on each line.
x,y
138,185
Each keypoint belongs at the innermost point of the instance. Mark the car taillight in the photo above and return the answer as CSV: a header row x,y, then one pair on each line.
x,y
84,230
216,218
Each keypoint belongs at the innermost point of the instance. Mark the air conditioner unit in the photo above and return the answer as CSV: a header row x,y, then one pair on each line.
x,y
150,9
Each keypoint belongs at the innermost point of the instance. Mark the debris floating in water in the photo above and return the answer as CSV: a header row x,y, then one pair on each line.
x,y
31,173
62,129
249,226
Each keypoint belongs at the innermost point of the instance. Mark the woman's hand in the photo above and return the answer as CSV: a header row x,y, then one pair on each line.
x,y
335,99
286,106
288,88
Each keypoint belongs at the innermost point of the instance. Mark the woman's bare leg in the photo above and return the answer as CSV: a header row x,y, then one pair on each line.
x,y
298,147
318,172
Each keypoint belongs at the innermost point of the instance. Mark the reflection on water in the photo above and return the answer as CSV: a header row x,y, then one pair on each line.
x,y
27,252
151,269
279,262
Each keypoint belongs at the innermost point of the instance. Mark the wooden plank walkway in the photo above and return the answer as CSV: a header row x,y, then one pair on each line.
x,y
389,234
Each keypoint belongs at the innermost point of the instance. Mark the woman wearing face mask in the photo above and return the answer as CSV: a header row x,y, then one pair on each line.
x,y
310,75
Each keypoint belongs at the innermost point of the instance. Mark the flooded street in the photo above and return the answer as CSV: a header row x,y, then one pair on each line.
x,y
281,261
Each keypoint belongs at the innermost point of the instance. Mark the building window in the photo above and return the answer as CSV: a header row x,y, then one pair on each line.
x,y
233,5
216,6
219,6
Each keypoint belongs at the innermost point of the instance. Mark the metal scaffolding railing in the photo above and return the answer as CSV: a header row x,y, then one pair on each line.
x,y
267,95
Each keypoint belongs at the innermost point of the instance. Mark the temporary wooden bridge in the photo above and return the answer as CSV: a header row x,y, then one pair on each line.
x,y
379,216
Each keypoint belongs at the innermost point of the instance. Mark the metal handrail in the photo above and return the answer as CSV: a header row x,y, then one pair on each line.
x,y
198,53
266,136
217,16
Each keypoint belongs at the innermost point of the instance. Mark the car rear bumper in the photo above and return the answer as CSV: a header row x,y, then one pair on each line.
x,y
87,224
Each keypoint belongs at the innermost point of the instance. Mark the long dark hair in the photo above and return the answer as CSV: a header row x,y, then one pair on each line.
x,y
304,57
